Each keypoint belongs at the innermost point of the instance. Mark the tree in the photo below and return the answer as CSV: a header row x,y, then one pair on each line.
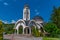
x,y
52,29
1,31
55,16
8,28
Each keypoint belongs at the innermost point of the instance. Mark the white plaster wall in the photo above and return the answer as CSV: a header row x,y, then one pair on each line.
x,y
17,26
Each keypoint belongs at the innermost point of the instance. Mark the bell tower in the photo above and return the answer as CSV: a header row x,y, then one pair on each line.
x,y
26,12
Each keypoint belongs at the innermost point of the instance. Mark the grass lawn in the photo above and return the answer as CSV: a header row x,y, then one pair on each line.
x,y
47,38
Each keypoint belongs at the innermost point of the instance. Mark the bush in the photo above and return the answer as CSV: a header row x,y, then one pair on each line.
x,y
1,31
52,29
35,32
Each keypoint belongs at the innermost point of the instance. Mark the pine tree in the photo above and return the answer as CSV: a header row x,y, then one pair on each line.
x,y
55,17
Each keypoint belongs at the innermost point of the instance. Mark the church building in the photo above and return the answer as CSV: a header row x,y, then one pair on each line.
x,y
26,23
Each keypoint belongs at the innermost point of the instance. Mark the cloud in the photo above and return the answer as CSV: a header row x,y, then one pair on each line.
x,y
36,11
13,21
5,22
5,3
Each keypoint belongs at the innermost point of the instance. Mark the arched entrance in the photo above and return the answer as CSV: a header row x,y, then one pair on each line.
x,y
20,29
27,30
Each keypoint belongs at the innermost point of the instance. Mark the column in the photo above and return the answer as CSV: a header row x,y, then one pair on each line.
x,y
17,31
23,30
30,30
26,30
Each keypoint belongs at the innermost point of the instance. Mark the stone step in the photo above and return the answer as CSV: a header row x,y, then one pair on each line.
x,y
24,35
21,37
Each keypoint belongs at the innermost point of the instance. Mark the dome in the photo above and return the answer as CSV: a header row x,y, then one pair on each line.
x,y
38,18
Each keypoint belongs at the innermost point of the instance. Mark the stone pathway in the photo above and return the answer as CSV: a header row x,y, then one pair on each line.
x,y
21,37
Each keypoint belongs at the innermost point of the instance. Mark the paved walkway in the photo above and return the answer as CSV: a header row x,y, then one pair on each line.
x,y
21,37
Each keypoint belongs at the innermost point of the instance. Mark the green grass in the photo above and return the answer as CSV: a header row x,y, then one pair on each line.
x,y
47,38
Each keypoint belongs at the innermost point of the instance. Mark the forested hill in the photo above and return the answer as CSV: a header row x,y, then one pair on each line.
x,y
8,28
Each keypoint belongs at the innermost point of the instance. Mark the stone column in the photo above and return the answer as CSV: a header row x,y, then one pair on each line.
x,y
23,30
30,30
26,30
17,31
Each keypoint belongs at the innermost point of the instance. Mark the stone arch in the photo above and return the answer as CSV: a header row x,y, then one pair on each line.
x,y
32,23
19,21
18,25
39,25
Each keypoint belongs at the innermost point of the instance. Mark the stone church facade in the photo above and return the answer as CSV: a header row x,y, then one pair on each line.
x,y
26,23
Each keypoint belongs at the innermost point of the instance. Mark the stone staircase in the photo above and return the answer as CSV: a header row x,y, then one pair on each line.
x,y
21,37
24,35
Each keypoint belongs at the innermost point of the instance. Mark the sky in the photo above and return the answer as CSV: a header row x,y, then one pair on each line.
x,y
12,10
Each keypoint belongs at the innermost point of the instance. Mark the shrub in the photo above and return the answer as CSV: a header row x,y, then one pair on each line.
x,y
35,32
52,29
1,31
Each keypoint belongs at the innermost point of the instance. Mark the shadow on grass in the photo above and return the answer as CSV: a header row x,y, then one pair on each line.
x,y
48,38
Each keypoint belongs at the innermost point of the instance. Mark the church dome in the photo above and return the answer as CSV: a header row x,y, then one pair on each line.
x,y
38,18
